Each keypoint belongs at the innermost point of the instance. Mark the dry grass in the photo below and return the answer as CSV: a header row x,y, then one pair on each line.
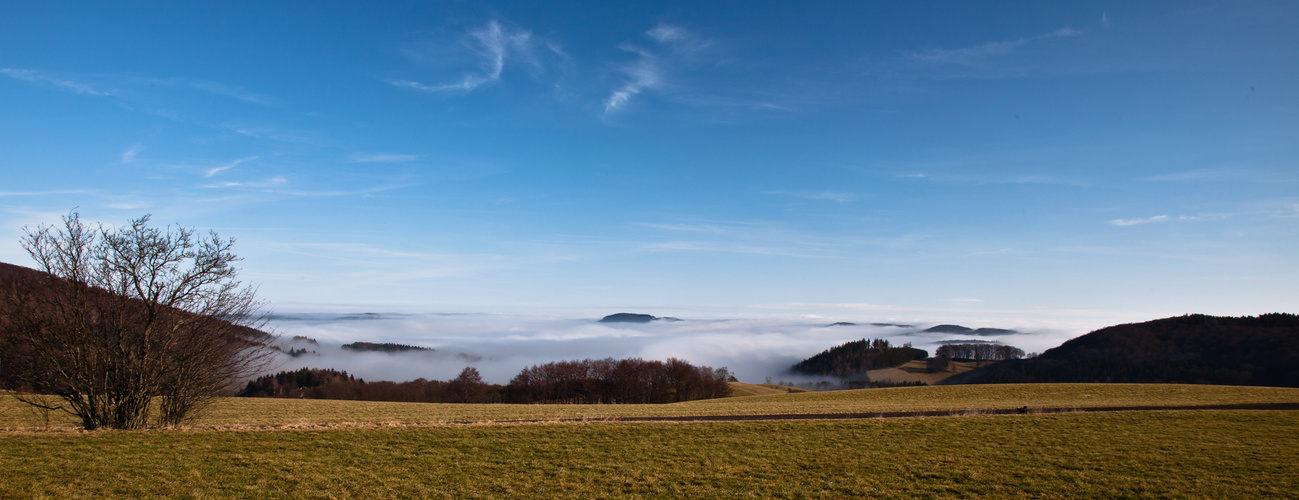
x,y
1201,454
918,371
740,389
253,412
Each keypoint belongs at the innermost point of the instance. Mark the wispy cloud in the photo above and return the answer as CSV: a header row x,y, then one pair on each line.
x,y
128,156
822,195
44,193
704,228
978,53
266,183
641,75
218,169
729,247
1229,174
382,158
44,78
276,185
269,133
1158,218
993,178
493,45
1133,222
674,46
230,91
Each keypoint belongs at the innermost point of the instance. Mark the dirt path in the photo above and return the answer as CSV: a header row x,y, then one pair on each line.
x,y
897,414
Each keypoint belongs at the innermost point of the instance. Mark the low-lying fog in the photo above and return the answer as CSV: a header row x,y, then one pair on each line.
x,y
499,346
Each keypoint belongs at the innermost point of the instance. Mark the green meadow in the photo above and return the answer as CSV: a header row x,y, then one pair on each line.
x,y
263,448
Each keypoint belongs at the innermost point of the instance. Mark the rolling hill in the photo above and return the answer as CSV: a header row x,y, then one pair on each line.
x,y
1197,349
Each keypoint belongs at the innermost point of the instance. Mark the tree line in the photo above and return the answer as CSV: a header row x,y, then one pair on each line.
x,y
978,352
973,351
608,380
591,381
327,383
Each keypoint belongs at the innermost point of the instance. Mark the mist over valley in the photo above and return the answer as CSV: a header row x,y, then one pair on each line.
x,y
499,345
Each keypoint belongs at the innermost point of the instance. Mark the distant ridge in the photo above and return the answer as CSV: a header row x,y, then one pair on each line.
x,y
969,331
633,318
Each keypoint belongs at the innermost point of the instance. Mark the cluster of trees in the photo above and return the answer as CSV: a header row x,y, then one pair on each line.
x,y
858,357
1199,349
384,347
982,351
588,381
618,381
318,383
129,327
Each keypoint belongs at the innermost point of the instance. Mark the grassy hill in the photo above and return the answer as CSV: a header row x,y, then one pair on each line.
x,y
742,389
918,371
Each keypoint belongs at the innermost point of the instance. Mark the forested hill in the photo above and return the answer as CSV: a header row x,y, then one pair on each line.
x,y
1262,350
10,273
857,357
16,278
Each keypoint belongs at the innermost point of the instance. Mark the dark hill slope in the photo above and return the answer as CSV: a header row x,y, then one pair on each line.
x,y
1262,350
12,275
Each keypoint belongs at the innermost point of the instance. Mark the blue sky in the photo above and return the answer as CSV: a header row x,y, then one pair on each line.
x,y
992,163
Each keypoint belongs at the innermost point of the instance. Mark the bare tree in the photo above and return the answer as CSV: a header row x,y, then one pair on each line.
x,y
128,321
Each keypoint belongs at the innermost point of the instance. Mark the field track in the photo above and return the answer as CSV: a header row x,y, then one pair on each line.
x,y
933,401
814,416
931,413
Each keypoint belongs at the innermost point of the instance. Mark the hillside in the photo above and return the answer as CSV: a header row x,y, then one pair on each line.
x,y
918,371
1198,349
858,357
11,274
739,389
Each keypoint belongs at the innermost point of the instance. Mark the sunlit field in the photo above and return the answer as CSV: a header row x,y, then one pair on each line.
x,y
1189,454
278,448
262,412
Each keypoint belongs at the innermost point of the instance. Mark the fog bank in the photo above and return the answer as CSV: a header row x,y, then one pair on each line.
x,y
499,345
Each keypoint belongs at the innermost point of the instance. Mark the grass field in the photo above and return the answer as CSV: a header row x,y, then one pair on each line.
x,y
230,453
1186,454
740,389
236,412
